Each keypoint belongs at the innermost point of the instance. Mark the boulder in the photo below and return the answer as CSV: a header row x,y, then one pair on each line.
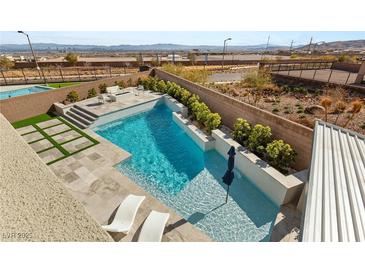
x,y
314,109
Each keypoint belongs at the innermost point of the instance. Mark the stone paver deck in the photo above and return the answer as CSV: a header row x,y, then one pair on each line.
x,y
27,129
66,136
77,144
95,107
91,178
30,137
41,145
50,155
287,225
49,123
56,129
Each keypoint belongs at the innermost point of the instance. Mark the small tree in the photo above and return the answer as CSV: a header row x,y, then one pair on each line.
x,y
259,137
71,58
192,58
102,88
356,107
241,131
213,121
326,102
91,93
72,97
339,108
6,63
280,155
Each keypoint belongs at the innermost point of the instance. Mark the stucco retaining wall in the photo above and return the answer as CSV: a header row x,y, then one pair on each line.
x,y
22,107
34,204
279,188
299,136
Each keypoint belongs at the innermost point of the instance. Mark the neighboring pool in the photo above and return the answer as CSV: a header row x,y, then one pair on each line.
x,y
22,91
168,164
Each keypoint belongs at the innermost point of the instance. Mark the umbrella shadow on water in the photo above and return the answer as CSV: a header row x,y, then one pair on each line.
x,y
193,219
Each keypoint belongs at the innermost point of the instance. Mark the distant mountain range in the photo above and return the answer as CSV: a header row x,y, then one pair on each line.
x,y
50,47
339,45
153,47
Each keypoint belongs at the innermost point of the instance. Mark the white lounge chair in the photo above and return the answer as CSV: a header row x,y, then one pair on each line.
x,y
113,89
153,227
126,213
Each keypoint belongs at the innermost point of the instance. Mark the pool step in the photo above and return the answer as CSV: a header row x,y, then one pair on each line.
x,y
82,114
74,121
86,111
80,117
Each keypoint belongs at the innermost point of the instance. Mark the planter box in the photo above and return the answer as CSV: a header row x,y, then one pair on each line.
x,y
175,105
279,188
204,141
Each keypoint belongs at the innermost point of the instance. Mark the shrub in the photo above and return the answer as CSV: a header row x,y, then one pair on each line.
x,y
191,101
130,82
280,155
71,58
121,84
275,110
91,93
102,88
260,136
185,96
213,121
258,79
241,131
161,86
72,97
201,112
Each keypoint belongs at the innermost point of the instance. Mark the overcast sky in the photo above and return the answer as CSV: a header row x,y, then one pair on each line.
x,y
185,37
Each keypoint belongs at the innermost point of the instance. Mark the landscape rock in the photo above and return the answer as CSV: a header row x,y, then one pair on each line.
x,y
314,109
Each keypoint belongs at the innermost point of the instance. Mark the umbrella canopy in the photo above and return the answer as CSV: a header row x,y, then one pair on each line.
x,y
231,153
229,175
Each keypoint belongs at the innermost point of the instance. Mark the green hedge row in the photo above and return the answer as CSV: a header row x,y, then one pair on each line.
x,y
198,110
258,139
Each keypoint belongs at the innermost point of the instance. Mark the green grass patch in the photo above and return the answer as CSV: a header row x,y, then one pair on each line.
x,y
45,117
33,120
64,84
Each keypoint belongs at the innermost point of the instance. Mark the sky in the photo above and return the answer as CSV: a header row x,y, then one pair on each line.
x,y
179,37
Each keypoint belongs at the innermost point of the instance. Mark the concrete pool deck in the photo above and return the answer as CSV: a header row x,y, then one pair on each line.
x,y
91,178
98,109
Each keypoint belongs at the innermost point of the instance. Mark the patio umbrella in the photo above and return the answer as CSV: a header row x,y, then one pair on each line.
x,y
229,175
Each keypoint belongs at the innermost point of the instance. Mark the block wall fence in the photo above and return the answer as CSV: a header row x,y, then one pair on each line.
x,y
299,136
22,107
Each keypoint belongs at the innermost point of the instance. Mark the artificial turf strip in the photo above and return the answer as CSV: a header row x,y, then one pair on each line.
x,y
78,130
53,142
33,120
45,117
61,85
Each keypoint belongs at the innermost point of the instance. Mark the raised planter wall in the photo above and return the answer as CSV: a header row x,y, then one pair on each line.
x,y
279,188
299,136
22,107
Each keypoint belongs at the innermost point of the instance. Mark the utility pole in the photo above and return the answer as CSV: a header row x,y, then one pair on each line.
x,y
267,46
291,46
310,44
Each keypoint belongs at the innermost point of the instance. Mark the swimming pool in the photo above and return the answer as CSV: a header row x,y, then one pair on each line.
x,y
22,91
168,164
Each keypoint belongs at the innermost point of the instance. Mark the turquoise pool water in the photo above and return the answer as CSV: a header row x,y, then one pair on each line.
x,y
168,164
22,91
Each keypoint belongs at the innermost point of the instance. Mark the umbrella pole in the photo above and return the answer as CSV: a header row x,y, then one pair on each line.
x,y
227,194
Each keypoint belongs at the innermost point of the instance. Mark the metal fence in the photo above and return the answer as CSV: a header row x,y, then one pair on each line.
x,y
60,74
318,71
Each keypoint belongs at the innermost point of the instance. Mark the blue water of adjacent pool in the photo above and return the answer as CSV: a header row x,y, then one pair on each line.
x,y
168,164
22,91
